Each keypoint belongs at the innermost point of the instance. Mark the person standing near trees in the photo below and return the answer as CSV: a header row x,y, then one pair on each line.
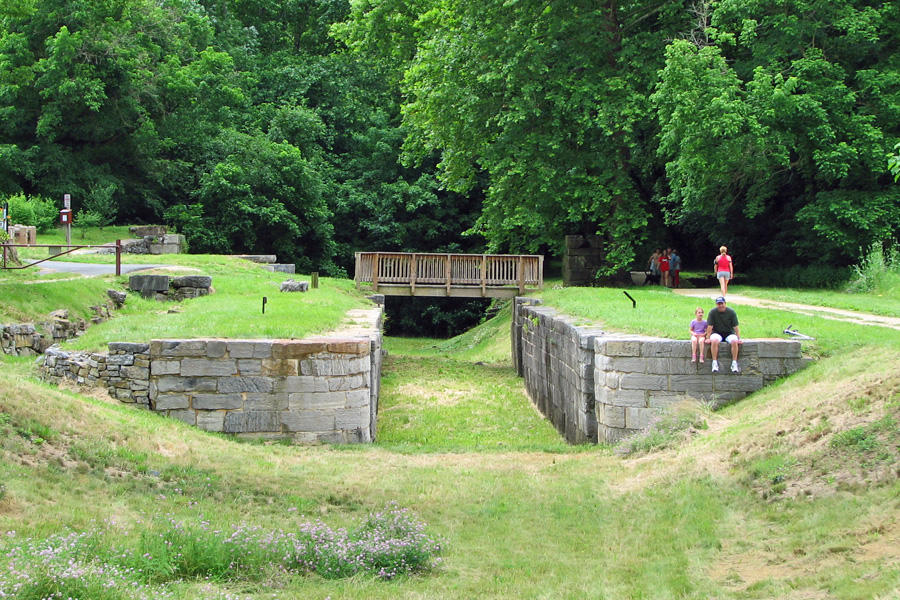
x,y
675,267
653,264
664,267
723,267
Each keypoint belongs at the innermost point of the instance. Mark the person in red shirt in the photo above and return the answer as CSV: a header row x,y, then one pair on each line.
x,y
664,267
723,267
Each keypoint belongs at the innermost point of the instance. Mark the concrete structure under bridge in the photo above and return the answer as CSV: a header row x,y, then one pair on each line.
x,y
450,275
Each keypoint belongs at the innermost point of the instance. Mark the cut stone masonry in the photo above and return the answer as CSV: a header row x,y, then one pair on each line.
x,y
597,386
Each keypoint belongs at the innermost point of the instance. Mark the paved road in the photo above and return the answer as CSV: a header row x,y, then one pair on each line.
x,y
90,269
835,314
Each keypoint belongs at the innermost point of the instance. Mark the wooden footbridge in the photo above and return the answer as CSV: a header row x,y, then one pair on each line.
x,y
450,275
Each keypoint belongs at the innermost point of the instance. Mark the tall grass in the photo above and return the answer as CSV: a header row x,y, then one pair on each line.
x,y
878,270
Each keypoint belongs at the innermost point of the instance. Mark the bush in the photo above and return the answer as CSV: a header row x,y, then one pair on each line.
x,y
875,266
797,276
35,210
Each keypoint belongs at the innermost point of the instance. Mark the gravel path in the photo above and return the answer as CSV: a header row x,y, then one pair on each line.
x,y
835,314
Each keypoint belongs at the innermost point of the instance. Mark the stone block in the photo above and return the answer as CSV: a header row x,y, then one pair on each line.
x,y
254,421
202,367
300,349
249,366
633,381
276,402
701,382
777,348
249,349
352,418
611,416
311,421
148,285
187,416
325,401
632,398
630,365
262,385
217,401
357,346
359,398
128,347
120,359
211,421
135,372
729,382
639,418
192,281
658,348
664,400
215,348
282,367
611,347
301,384
171,402
165,367
180,348
346,383
294,286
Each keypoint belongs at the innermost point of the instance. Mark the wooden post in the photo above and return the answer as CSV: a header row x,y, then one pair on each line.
x,y
541,272
412,275
449,271
375,273
483,274
118,257
357,272
315,280
521,275
4,256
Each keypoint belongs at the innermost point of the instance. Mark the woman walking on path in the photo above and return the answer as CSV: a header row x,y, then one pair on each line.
x,y
723,267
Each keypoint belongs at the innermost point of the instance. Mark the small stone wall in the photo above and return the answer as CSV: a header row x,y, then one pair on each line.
x,y
26,339
595,386
23,234
313,390
163,287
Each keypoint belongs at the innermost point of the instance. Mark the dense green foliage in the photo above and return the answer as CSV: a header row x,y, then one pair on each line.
x,y
316,128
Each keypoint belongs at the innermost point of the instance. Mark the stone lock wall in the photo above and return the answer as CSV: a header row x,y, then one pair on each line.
x,y
312,390
596,386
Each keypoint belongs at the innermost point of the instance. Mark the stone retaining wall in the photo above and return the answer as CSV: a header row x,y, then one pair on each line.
x,y
28,339
595,386
312,390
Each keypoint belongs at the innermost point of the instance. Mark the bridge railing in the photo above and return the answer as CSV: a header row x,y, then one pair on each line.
x,y
450,270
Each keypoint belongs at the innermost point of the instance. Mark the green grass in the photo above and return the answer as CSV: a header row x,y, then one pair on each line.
x,y
883,301
32,302
663,313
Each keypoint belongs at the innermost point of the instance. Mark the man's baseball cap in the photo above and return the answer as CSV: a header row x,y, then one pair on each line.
x,y
720,300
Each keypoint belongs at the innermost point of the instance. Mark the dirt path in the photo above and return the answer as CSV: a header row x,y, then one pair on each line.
x,y
835,314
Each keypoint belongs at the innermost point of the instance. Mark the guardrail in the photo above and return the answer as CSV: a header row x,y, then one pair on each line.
x,y
71,248
403,273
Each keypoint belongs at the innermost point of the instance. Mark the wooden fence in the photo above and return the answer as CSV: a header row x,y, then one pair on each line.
x,y
469,275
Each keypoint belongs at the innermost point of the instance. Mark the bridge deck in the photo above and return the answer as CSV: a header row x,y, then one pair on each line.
x,y
450,275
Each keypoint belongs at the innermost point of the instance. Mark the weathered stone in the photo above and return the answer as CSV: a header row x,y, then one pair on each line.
x,y
249,366
280,367
317,401
294,286
299,349
171,401
192,281
202,367
217,401
179,348
271,401
311,421
254,421
165,367
632,381
117,297
639,418
245,384
351,418
249,349
135,372
148,285
301,384
211,420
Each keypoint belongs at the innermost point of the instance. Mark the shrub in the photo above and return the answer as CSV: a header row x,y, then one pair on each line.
x,y
34,210
875,266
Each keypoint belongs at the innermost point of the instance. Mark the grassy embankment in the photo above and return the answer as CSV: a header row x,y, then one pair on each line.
x,y
792,493
234,310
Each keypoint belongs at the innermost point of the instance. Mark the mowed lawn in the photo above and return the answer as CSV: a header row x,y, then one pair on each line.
x,y
791,493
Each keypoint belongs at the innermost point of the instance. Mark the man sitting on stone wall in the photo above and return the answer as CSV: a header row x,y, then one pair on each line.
x,y
722,324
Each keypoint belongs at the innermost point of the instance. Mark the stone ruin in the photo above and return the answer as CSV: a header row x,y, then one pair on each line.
x,y
28,339
152,239
165,288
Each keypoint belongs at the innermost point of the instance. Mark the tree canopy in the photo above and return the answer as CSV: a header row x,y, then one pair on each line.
x,y
316,128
